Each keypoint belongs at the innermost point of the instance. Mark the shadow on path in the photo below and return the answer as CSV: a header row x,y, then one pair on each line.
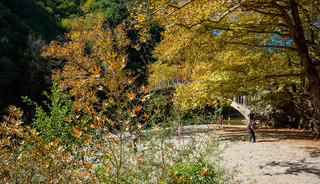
x,y
294,168
233,134
313,151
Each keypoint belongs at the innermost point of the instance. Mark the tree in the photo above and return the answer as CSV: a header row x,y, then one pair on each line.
x,y
282,35
24,28
115,12
93,60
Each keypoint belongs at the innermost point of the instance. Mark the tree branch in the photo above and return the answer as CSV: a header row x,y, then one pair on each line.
x,y
176,9
284,76
164,8
285,17
265,46
269,32
277,76
221,17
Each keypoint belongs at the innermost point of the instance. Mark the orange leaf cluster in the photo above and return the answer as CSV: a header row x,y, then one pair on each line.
x,y
86,73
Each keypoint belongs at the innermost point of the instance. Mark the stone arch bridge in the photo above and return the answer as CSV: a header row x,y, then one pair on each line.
x,y
239,103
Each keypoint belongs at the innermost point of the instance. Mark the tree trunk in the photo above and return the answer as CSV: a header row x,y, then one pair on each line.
x,y
316,119
309,68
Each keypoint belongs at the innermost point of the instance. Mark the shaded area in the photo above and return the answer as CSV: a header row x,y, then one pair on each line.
x,y
294,168
281,156
239,133
313,151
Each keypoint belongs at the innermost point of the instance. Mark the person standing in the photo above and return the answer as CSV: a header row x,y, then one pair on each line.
x,y
134,140
251,116
251,131
220,120
180,129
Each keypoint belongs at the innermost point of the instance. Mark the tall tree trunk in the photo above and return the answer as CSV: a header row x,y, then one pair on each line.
x,y
309,68
304,118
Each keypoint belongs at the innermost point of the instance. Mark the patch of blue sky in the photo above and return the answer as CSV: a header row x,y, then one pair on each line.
x,y
216,32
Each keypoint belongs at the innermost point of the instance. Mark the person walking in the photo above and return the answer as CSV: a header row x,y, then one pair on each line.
x,y
251,131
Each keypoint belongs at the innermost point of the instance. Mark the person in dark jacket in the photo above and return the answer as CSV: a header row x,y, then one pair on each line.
x,y
251,131
251,116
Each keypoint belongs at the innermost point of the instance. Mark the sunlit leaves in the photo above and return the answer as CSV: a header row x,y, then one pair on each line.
x,y
23,149
225,48
92,63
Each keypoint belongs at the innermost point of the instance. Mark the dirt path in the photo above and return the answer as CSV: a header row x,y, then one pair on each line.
x,y
280,156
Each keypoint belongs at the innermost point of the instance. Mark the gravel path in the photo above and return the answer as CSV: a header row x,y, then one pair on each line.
x,y
280,156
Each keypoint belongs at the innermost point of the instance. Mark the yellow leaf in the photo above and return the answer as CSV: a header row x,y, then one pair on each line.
x,y
67,120
6,141
96,70
76,106
107,166
137,108
169,145
131,79
139,125
157,111
146,89
111,122
79,164
104,103
183,178
77,131
127,128
94,125
153,137
131,95
163,166
88,165
145,115
203,171
88,108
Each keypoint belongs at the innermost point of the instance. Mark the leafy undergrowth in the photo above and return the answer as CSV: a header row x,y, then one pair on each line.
x,y
157,156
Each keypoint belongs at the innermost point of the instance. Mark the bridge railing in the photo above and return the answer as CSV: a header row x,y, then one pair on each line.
x,y
166,84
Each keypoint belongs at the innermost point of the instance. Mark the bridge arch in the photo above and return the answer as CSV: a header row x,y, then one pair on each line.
x,y
243,109
238,103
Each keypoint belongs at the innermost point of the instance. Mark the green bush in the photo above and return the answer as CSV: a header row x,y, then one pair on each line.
x,y
57,118
192,172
